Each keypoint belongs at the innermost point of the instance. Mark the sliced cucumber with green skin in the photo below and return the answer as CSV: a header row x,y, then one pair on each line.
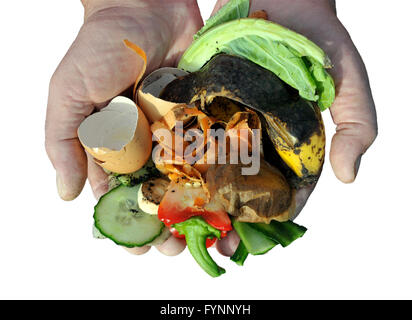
x,y
118,217
164,235
97,234
255,242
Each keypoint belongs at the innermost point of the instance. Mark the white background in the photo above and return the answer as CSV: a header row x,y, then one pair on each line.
x,y
359,239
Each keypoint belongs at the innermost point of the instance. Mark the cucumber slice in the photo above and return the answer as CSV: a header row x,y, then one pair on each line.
x,y
255,242
118,217
97,234
164,235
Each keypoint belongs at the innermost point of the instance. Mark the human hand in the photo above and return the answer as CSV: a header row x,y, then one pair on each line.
x,y
98,66
353,111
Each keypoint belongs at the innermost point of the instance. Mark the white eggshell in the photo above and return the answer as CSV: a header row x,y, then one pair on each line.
x,y
118,137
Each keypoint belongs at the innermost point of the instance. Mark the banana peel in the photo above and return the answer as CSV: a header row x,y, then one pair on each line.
x,y
293,125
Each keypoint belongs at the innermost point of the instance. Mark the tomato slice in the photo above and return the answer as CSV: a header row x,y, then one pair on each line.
x,y
210,242
183,201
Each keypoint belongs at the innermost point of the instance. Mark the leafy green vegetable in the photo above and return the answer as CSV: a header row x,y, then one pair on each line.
x,y
196,231
324,83
255,242
276,57
282,232
234,9
292,57
206,46
259,238
240,254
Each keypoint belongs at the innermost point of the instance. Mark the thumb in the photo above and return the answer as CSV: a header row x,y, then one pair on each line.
x,y
348,145
63,117
354,114
98,179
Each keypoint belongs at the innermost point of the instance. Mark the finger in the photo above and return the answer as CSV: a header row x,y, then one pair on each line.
x,y
355,117
98,179
69,160
228,245
62,146
172,246
137,250
187,27
301,197
348,145
218,5
354,114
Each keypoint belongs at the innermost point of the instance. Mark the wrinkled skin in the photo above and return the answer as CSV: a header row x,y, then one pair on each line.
x,y
353,111
98,67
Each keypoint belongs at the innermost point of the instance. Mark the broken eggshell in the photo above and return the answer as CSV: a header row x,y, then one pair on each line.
x,y
118,137
148,93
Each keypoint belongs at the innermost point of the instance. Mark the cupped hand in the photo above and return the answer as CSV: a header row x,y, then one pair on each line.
x,y
353,110
98,66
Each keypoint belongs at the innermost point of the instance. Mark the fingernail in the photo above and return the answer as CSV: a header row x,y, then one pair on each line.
x,y
62,189
357,164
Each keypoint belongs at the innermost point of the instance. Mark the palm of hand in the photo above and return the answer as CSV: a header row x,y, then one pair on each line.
x,y
353,110
97,67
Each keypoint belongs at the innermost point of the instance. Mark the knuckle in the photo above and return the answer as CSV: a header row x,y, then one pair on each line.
x,y
50,148
54,80
99,188
370,134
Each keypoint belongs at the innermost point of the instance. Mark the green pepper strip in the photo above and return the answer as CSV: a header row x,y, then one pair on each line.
x,y
240,254
196,231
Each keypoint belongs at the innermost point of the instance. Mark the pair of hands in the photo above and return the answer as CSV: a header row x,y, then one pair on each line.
x,y
98,67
